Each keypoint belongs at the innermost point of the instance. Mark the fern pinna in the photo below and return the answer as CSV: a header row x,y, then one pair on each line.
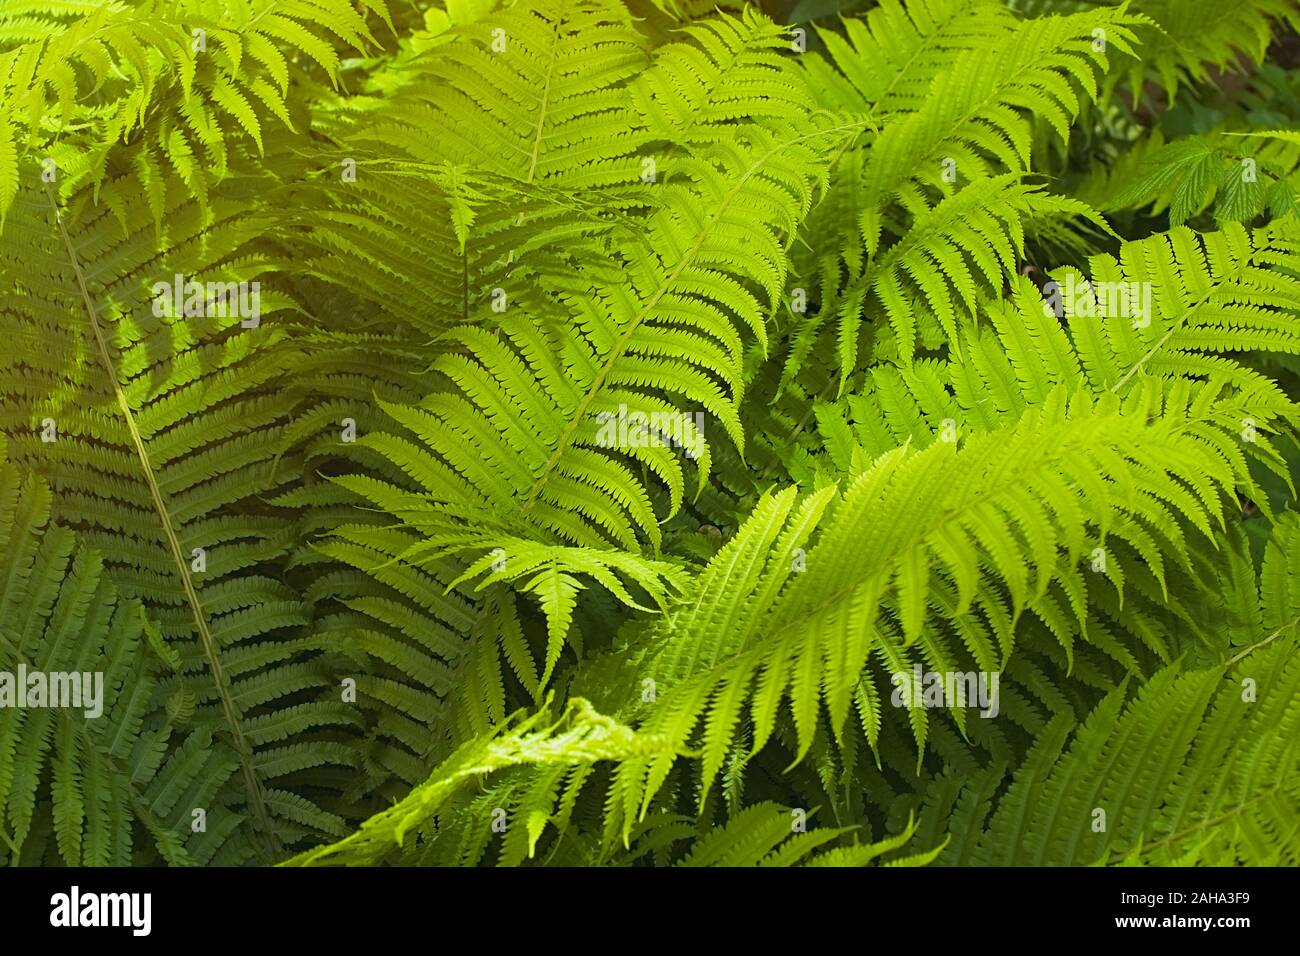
x,y
649,433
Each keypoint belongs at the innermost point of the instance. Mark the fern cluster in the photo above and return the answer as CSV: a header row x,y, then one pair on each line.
x,y
636,398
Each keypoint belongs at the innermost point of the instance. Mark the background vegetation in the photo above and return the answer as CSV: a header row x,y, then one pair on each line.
x,y
369,583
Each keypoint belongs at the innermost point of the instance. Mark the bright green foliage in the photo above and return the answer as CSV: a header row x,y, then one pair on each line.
x,y
637,395
1196,768
580,738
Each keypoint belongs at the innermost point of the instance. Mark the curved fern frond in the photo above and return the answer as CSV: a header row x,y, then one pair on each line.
x,y
531,437
1161,325
764,627
579,737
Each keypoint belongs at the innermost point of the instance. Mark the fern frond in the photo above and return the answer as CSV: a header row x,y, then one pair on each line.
x,y
977,120
969,553
150,448
91,745
580,736
1194,765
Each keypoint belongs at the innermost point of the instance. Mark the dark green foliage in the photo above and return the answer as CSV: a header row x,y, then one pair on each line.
x,y
635,394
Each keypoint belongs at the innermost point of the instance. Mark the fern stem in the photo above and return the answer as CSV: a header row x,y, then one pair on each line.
x,y
1239,808
1268,640
615,353
256,798
543,107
